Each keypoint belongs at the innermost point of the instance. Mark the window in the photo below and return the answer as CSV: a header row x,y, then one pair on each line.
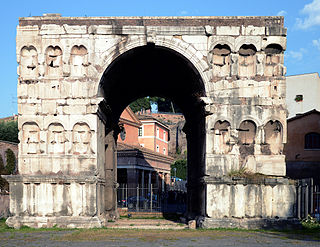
x,y
312,141
164,135
140,131
164,151
158,132
158,148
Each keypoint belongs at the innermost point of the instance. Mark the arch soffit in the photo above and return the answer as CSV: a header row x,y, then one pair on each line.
x,y
250,118
223,42
222,119
177,45
245,40
273,120
55,123
31,122
27,45
54,45
80,121
76,43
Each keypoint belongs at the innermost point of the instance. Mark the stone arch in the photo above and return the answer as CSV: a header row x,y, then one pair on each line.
x,y
247,61
78,61
81,139
272,139
30,140
222,137
181,47
56,138
173,76
28,62
53,61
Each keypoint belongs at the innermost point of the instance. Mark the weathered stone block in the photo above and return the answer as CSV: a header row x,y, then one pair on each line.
x,y
227,30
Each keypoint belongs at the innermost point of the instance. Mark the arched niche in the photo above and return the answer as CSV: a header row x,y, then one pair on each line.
x,y
30,140
272,138
28,62
78,61
81,139
247,132
222,137
53,56
273,63
247,61
56,139
221,60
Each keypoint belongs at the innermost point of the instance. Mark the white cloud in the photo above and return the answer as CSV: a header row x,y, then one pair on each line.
x,y
312,12
316,43
282,13
296,55
183,12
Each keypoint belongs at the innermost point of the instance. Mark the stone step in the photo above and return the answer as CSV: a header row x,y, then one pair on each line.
x,y
145,224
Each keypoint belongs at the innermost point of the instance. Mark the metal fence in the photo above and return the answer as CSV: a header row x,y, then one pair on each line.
x,y
308,198
150,199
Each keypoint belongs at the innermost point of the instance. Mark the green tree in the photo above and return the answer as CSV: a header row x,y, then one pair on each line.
x,y
181,169
2,168
3,183
166,105
9,131
139,104
11,161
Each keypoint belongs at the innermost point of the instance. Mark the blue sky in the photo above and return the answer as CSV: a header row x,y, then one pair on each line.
x,y
302,18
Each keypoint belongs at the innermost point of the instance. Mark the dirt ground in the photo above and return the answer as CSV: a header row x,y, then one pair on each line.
x,y
137,237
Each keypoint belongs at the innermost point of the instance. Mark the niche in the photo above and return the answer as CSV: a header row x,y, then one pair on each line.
x,y
273,66
247,61
222,137
30,138
28,62
54,61
221,60
247,132
272,138
56,139
81,139
79,61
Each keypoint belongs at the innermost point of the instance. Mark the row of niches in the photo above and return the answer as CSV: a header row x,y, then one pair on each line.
x,y
225,138
56,140
30,66
247,62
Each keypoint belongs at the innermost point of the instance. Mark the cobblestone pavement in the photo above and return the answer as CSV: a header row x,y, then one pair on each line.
x,y
209,238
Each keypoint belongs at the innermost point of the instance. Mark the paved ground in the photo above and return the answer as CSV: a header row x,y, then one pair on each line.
x,y
146,238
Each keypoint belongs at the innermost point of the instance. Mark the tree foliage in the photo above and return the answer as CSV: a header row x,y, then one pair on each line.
x,y
141,104
164,105
9,131
181,169
11,161
3,183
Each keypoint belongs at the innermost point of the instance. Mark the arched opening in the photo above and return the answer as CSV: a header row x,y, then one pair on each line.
x,y
156,71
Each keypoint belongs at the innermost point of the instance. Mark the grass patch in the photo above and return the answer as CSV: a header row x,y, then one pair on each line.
x,y
26,229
